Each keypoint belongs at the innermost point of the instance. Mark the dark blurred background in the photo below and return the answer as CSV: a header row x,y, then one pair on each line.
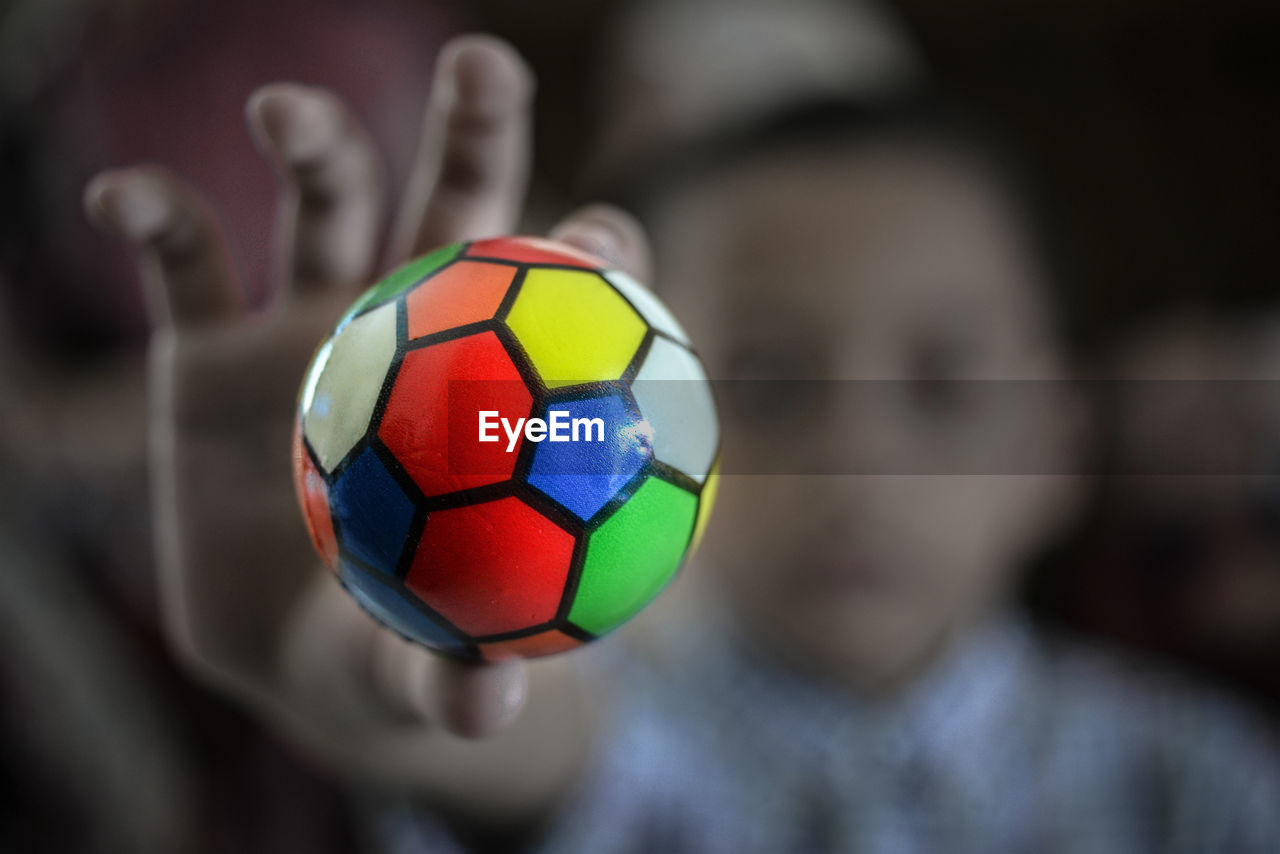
x,y
1152,127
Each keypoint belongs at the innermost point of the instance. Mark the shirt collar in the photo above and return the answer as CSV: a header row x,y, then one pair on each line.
x,y
950,718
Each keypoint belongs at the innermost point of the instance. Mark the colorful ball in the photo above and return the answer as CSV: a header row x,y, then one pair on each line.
x,y
505,448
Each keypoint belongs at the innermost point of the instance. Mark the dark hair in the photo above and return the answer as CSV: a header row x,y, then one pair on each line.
x,y
928,121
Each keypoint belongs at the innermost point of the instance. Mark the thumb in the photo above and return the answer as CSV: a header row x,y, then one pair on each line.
x,y
472,700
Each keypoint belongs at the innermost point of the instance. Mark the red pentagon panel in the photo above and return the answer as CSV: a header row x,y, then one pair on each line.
x,y
534,250
313,496
464,292
438,393
543,643
493,567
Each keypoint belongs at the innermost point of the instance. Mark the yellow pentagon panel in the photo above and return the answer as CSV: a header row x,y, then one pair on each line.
x,y
706,501
675,398
574,326
657,314
343,382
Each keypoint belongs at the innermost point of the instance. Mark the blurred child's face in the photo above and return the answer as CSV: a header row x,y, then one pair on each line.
x,y
863,549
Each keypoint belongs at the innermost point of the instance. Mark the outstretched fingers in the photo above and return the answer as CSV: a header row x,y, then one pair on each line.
x,y
181,255
471,171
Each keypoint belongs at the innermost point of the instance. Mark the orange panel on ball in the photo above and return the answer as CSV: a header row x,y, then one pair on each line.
x,y
464,292
494,567
313,496
534,250
543,643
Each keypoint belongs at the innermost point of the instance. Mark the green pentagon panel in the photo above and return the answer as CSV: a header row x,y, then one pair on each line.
x,y
404,278
633,555
343,382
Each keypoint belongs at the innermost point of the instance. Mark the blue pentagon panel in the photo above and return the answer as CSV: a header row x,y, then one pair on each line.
x,y
583,475
372,512
675,398
388,605
650,307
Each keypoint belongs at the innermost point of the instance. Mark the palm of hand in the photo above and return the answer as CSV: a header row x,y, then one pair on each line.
x,y
235,567
223,415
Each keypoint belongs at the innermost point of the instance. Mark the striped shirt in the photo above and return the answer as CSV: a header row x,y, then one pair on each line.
x,y
1013,742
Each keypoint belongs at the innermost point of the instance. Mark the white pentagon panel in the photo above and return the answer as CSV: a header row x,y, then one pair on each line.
x,y
675,398
650,307
342,385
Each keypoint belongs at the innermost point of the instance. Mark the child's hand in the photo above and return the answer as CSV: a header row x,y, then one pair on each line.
x,y
243,595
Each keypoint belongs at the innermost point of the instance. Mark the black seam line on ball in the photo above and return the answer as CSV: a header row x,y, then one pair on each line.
x,y
532,265
520,359
409,549
588,390
469,495
577,632
524,458
312,455
393,370
544,504
515,634
409,488
513,291
553,509
662,333
404,289
638,357
680,480
453,333
621,497
397,471
576,562
400,588
635,308
350,457
675,477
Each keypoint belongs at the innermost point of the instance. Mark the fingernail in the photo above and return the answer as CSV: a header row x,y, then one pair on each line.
x,y
486,75
511,694
592,236
299,124
482,699
131,204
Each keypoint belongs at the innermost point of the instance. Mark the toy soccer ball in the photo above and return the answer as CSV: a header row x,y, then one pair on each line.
x,y
505,448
